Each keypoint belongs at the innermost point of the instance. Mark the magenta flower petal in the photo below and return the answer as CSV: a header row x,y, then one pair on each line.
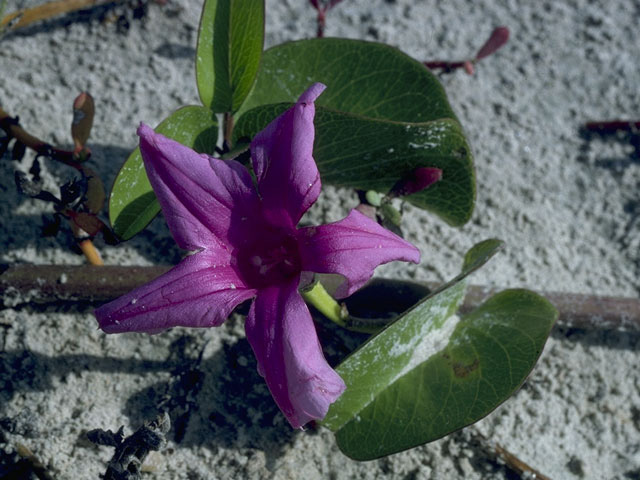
x,y
353,248
281,332
282,155
248,245
204,200
201,291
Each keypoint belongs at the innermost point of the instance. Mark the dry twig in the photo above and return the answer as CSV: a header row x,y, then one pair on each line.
x,y
498,453
32,463
54,283
26,16
84,223
130,452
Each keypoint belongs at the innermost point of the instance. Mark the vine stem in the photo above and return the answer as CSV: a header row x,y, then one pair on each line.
x,y
10,125
27,16
88,248
67,157
54,283
497,452
318,296
613,126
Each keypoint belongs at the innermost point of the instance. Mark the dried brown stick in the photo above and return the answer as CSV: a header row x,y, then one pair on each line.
x,y
577,310
14,130
447,66
21,284
27,16
70,158
613,126
35,465
89,283
499,453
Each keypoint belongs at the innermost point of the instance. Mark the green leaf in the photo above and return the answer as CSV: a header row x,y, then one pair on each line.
x,y
372,154
480,253
475,258
381,300
382,115
463,377
369,79
132,204
230,42
378,363
431,372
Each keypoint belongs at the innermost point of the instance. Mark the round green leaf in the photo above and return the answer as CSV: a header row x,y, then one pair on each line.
x,y
230,42
370,79
485,358
372,154
132,204
371,369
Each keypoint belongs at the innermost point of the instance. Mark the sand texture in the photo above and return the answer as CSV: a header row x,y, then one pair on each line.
x,y
566,203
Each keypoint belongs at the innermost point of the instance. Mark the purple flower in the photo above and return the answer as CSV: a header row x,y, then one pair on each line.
x,y
247,245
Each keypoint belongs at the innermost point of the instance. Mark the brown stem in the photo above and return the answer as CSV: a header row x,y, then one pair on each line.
x,y
320,20
52,283
577,310
497,452
89,250
613,126
43,148
86,245
27,16
34,463
443,65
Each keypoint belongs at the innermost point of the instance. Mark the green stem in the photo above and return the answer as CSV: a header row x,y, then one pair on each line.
x,y
316,295
228,129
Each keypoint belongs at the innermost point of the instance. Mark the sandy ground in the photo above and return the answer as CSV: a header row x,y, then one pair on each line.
x,y
566,203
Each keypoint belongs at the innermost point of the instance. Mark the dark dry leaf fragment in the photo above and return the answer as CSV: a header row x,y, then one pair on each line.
x,y
35,170
50,225
73,190
18,150
131,451
5,138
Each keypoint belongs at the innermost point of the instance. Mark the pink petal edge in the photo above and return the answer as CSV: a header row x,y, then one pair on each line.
x,y
201,291
352,247
283,337
203,199
282,156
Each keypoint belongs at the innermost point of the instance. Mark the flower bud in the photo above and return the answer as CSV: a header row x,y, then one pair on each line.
x,y
418,180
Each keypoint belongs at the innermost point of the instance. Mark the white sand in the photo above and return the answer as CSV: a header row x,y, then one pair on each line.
x,y
567,207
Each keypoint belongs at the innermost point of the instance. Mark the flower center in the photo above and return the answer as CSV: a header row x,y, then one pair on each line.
x,y
270,260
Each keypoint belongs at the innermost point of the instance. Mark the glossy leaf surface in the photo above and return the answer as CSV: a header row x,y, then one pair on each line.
x,y
431,372
369,79
365,365
230,42
488,355
372,154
